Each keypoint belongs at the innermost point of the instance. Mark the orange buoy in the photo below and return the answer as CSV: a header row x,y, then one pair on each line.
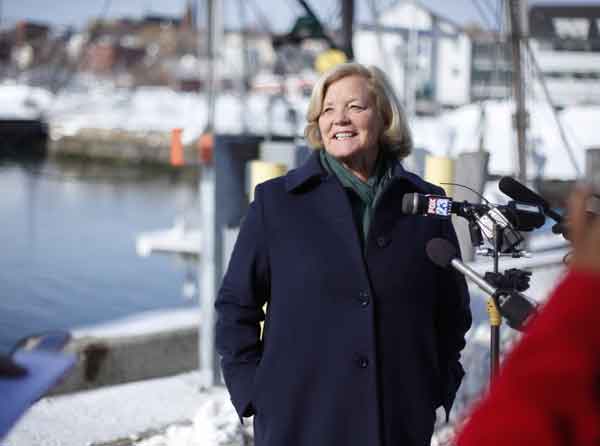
x,y
177,159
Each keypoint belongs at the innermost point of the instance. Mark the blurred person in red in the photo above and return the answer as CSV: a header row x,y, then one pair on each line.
x,y
548,390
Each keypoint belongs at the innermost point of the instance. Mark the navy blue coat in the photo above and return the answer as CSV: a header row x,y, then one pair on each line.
x,y
360,346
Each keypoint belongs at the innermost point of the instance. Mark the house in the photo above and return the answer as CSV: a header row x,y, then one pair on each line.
x,y
426,56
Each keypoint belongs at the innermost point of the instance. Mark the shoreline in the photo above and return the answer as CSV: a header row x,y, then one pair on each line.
x,y
121,146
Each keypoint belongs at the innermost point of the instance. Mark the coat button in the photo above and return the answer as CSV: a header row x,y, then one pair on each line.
x,y
381,241
363,298
362,362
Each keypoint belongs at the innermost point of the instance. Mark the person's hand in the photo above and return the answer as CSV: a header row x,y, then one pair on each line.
x,y
584,231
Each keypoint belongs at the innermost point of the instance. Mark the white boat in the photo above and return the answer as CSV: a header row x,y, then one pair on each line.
x,y
180,239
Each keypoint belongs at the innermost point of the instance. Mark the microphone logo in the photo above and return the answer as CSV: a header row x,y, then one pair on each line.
x,y
440,206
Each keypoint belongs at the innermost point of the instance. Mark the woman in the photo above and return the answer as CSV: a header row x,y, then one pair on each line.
x,y
363,333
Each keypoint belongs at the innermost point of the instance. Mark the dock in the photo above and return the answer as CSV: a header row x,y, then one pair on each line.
x,y
23,137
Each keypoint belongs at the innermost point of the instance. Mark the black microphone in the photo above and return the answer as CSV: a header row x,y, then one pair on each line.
x,y
523,216
513,306
519,192
482,216
436,206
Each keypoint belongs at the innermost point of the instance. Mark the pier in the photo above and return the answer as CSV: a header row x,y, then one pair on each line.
x,y
23,137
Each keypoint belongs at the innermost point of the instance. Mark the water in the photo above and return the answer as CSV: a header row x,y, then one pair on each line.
x,y
67,238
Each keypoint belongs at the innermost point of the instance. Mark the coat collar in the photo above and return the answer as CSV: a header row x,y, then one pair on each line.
x,y
312,170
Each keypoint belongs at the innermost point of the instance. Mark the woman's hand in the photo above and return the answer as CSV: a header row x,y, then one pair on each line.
x,y
584,231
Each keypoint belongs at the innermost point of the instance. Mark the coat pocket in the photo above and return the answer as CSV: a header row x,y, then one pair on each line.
x,y
257,387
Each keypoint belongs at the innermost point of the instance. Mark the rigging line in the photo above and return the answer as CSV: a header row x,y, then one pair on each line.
x,y
559,124
493,11
334,14
376,16
483,15
263,21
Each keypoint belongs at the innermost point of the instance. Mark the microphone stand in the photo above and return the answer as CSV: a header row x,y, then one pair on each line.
x,y
493,312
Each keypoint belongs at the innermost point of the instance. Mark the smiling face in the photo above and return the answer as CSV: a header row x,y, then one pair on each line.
x,y
349,124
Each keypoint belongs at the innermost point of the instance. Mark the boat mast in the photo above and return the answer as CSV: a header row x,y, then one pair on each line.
x,y
347,27
213,39
520,120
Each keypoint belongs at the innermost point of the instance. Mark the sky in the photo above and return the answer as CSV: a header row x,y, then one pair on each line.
x,y
279,15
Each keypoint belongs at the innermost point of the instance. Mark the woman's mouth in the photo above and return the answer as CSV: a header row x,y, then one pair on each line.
x,y
343,135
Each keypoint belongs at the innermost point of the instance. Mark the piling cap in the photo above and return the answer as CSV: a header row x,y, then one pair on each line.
x,y
205,148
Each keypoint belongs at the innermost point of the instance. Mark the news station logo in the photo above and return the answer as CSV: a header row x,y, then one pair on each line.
x,y
439,206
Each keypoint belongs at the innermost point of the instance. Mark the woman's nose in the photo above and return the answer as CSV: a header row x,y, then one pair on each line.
x,y
340,116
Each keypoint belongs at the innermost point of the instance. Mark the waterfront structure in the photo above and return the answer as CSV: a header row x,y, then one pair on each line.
x,y
565,41
426,56
491,66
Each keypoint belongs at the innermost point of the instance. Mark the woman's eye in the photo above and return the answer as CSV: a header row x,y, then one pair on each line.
x,y
356,107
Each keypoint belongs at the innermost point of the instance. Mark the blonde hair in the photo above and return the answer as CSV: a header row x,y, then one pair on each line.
x,y
395,136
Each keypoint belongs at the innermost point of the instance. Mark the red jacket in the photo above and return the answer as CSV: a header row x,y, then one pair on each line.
x,y
548,390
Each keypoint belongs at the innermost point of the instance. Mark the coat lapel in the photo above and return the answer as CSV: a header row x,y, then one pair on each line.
x,y
330,203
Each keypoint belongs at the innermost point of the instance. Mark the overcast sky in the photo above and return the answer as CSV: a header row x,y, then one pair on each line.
x,y
277,14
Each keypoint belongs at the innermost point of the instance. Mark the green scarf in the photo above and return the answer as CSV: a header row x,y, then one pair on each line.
x,y
368,192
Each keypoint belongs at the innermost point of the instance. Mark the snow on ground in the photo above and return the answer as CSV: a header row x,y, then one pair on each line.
x,y
125,412
215,424
144,323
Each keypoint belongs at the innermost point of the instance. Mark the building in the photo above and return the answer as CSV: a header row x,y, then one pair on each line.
x,y
565,41
426,56
491,66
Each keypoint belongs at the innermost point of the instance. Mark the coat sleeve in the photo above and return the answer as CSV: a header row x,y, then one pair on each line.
x,y
239,307
453,320
547,388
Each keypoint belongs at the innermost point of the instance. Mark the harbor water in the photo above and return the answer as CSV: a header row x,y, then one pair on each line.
x,y
68,231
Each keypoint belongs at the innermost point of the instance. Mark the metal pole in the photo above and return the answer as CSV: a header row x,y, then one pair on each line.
x,y
410,90
209,367
213,39
518,93
245,77
347,27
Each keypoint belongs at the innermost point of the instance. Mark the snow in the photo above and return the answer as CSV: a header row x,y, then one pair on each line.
x,y
146,109
128,411
19,102
148,322
215,424
547,153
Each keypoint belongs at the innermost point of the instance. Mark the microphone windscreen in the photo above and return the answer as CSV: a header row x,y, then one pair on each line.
x,y
441,251
517,191
410,204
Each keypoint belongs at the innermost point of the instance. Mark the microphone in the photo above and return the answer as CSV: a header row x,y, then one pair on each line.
x,y
524,216
482,217
432,205
519,192
513,306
